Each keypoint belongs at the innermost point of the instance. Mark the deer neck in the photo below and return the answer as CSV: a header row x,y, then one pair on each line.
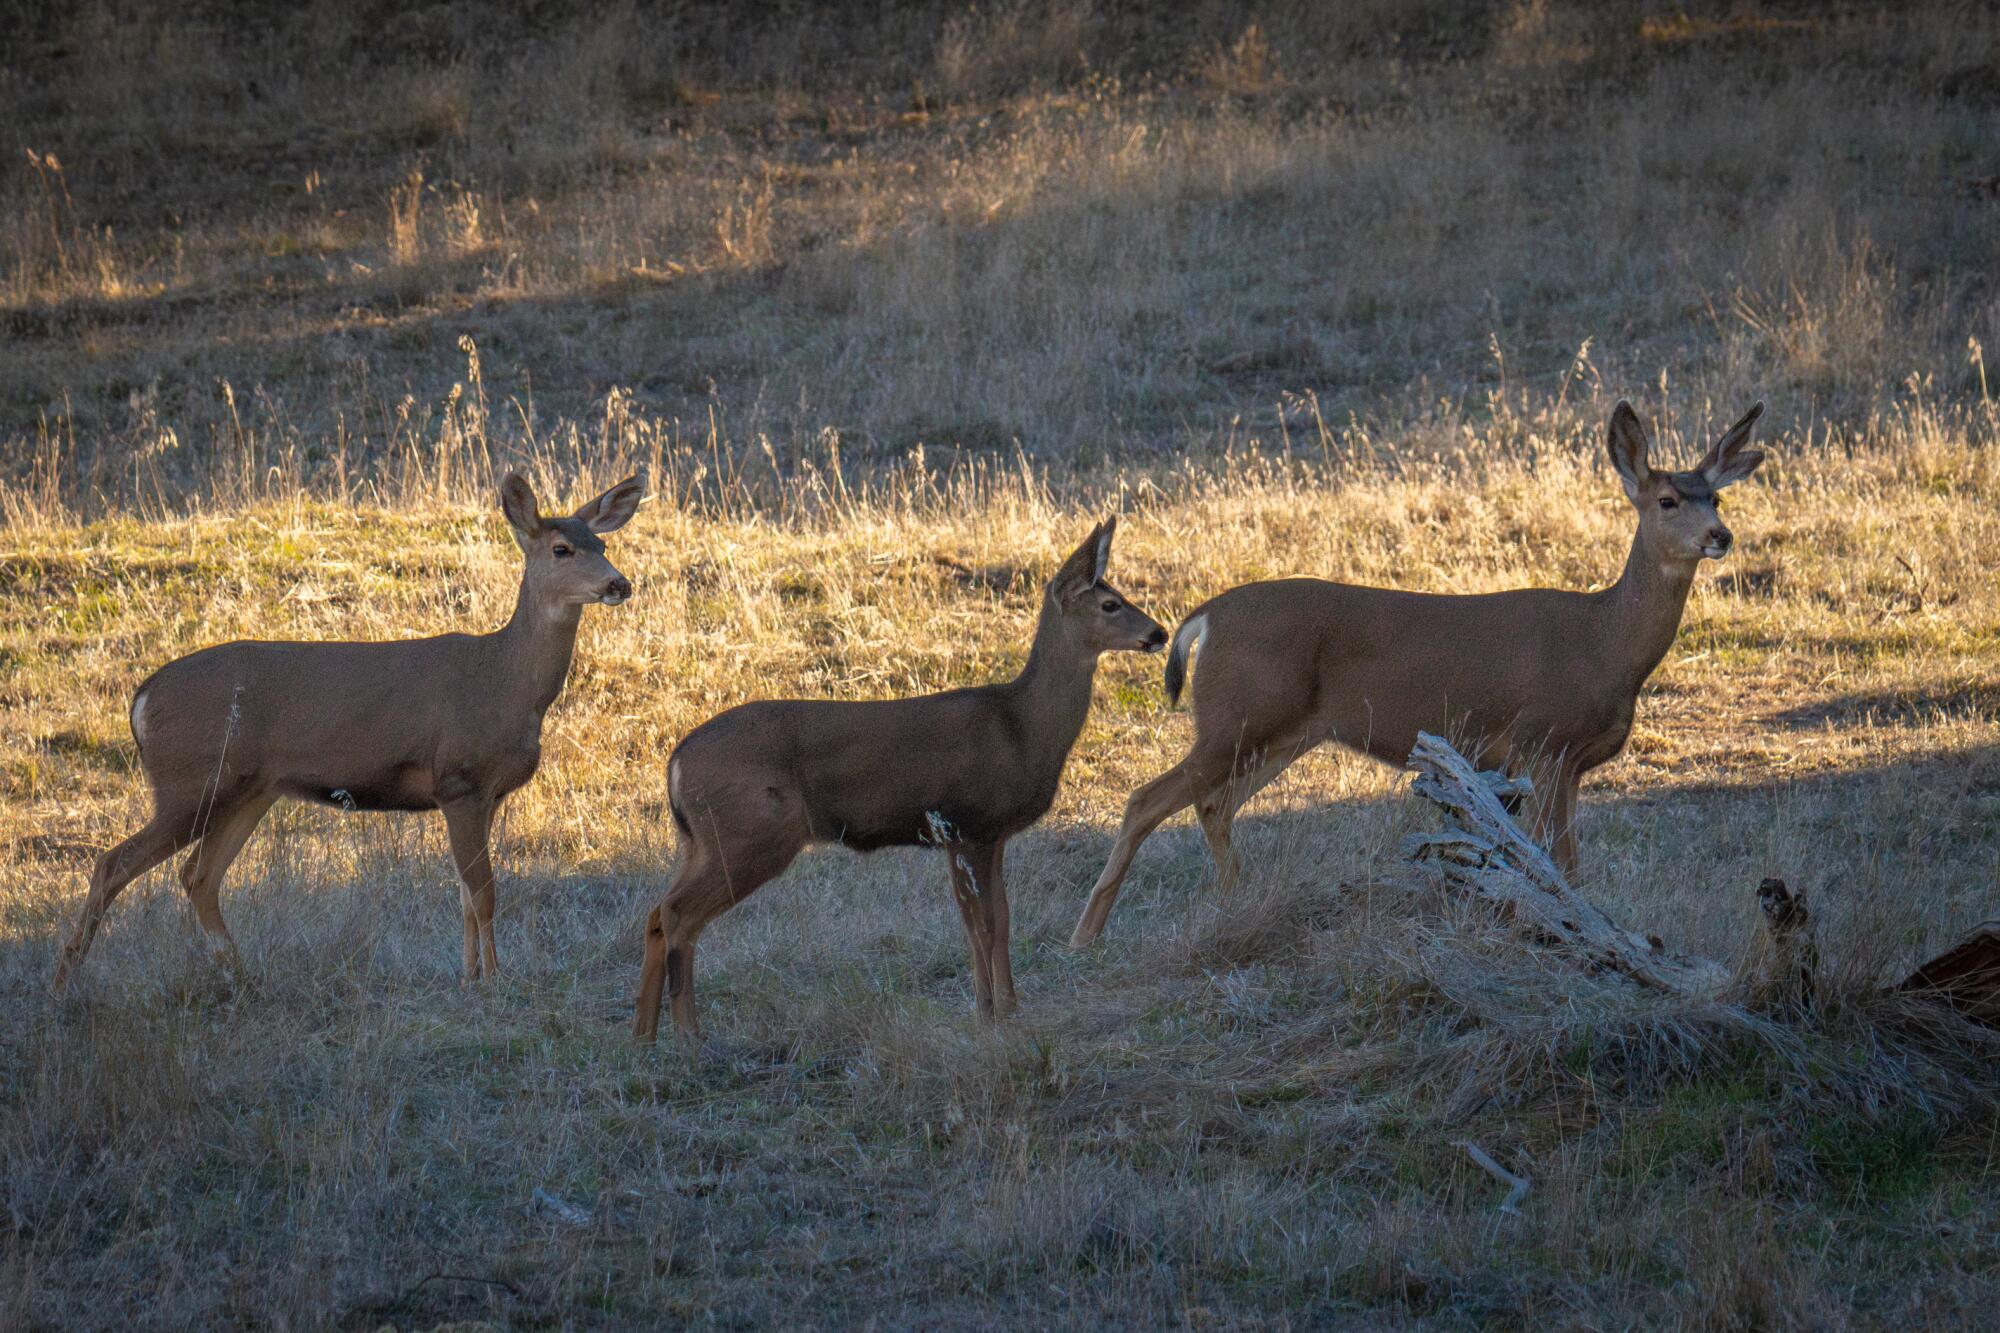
x,y
1645,607
1051,696
536,646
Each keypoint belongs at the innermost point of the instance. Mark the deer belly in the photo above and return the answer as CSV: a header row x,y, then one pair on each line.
x,y
407,787
870,832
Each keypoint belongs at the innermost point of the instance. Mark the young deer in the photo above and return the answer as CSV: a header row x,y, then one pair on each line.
x,y
452,723
967,770
1535,680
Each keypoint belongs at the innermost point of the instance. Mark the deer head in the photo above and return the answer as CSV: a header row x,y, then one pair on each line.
x,y
1678,521
566,561
1094,615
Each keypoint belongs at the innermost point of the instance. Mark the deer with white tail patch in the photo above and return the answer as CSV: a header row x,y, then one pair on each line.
x,y
1535,681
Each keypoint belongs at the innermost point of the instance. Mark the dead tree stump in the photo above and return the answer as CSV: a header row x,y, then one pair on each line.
x,y
1785,973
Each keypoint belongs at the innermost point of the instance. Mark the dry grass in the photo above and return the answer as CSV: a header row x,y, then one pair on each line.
x,y
891,307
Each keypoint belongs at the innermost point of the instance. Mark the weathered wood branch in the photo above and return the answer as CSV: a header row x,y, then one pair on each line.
x,y
1483,853
1487,855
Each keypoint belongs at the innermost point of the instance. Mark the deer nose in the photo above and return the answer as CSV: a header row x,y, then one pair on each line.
x,y
1156,640
617,590
1721,538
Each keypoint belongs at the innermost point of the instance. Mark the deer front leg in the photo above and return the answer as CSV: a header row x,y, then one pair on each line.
x,y
470,824
989,875
964,864
1565,822
1551,813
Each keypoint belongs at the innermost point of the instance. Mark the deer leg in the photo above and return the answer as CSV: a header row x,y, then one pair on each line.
x,y
1565,822
966,865
202,871
470,824
652,977
684,914
998,914
709,884
1551,811
164,834
1218,816
1218,812
1174,790
1204,771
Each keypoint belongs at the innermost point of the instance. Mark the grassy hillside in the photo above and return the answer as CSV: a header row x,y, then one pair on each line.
x,y
892,302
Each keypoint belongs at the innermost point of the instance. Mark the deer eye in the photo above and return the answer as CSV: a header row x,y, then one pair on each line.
x,y
559,551
1111,604
1668,502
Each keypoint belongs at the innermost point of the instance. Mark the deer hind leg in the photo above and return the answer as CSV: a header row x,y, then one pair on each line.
x,y
1219,807
709,884
652,976
470,825
164,834
202,871
1174,790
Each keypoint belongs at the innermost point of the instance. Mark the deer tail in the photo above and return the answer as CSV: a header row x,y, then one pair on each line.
x,y
1186,639
674,797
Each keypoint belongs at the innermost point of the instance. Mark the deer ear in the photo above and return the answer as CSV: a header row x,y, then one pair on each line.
x,y
517,502
1728,461
614,509
1085,566
1626,442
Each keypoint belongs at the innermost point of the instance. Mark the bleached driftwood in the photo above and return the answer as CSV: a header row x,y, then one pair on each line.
x,y
1486,854
1517,1186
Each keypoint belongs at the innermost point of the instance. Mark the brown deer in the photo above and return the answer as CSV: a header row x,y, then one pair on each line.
x,y
451,723
965,770
1536,681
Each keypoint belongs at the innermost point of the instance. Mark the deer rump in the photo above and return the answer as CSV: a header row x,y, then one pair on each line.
x,y
253,714
933,770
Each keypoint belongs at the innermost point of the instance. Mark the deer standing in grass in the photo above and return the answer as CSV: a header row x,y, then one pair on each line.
x,y
451,723
1536,681
967,770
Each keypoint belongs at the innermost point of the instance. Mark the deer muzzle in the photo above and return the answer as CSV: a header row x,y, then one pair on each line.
x,y
1717,543
615,591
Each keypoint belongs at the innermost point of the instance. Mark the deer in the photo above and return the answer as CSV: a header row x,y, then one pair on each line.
x,y
451,723
1538,682
964,770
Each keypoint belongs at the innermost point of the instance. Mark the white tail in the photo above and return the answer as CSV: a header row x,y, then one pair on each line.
x,y
451,723
1536,681
964,770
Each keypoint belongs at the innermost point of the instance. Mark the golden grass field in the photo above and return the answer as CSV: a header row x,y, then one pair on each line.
x,y
893,305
